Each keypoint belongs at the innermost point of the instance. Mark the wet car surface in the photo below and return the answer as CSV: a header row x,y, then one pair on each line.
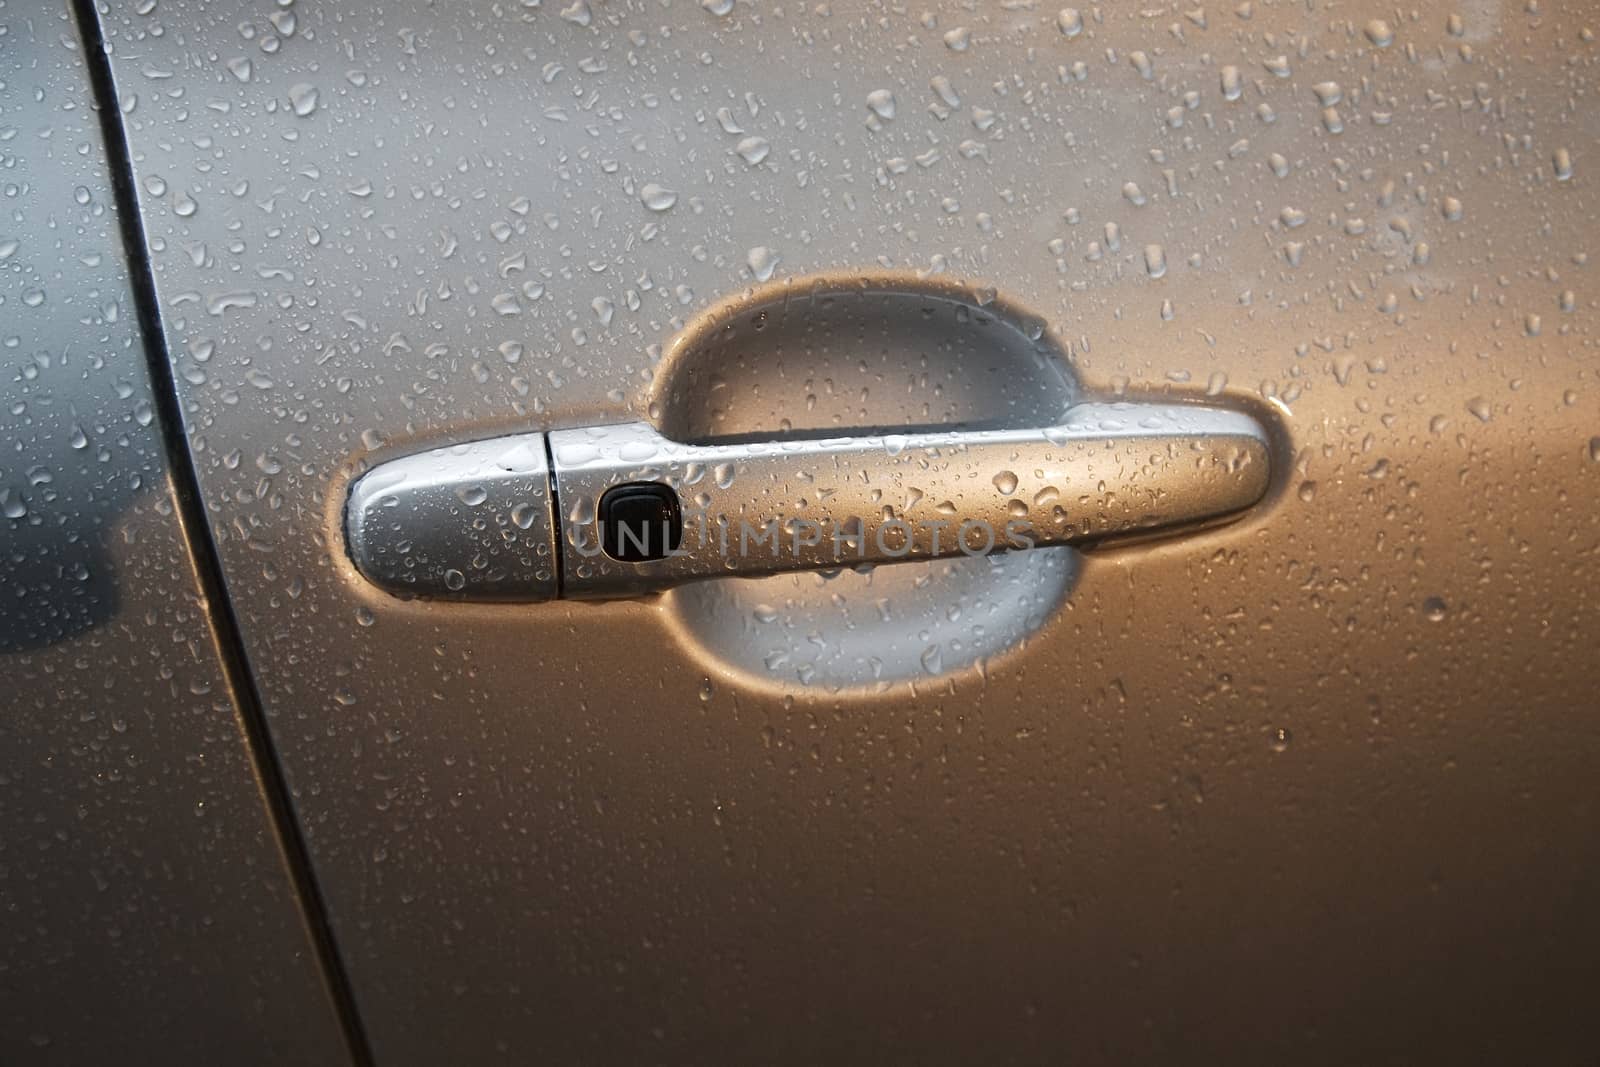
x,y
1314,782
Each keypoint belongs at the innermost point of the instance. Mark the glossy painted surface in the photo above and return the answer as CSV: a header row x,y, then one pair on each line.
x,y
1313,786
145,912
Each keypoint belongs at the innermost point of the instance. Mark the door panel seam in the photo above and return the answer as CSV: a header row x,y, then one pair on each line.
x,y
203,552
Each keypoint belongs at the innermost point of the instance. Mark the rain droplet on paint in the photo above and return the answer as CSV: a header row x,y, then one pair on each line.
x,y
1155,260
754,149
763,261
303,98
658,197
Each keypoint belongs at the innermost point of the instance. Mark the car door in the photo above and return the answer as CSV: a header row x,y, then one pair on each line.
x,y
1313,783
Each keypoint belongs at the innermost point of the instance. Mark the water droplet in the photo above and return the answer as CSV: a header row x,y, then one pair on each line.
x,y
1434,609
1155,260
658,197
753,149
1379,33
1280,738
1563,165
303,98
1069,20
578,13
763,261
1006,482
881,101
582,510
1232,83
223,302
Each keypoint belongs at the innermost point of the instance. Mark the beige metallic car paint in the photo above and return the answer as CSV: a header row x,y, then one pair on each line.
x,y
1315,786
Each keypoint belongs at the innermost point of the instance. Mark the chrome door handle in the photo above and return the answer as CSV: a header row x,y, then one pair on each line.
x,y
620,510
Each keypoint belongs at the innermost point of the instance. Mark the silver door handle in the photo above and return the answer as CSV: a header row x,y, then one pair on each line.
x,y
611,511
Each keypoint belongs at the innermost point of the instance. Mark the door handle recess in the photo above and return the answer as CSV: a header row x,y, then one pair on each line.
x,y
610,511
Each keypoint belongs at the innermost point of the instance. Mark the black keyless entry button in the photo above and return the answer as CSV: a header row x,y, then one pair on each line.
x,y
640,522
